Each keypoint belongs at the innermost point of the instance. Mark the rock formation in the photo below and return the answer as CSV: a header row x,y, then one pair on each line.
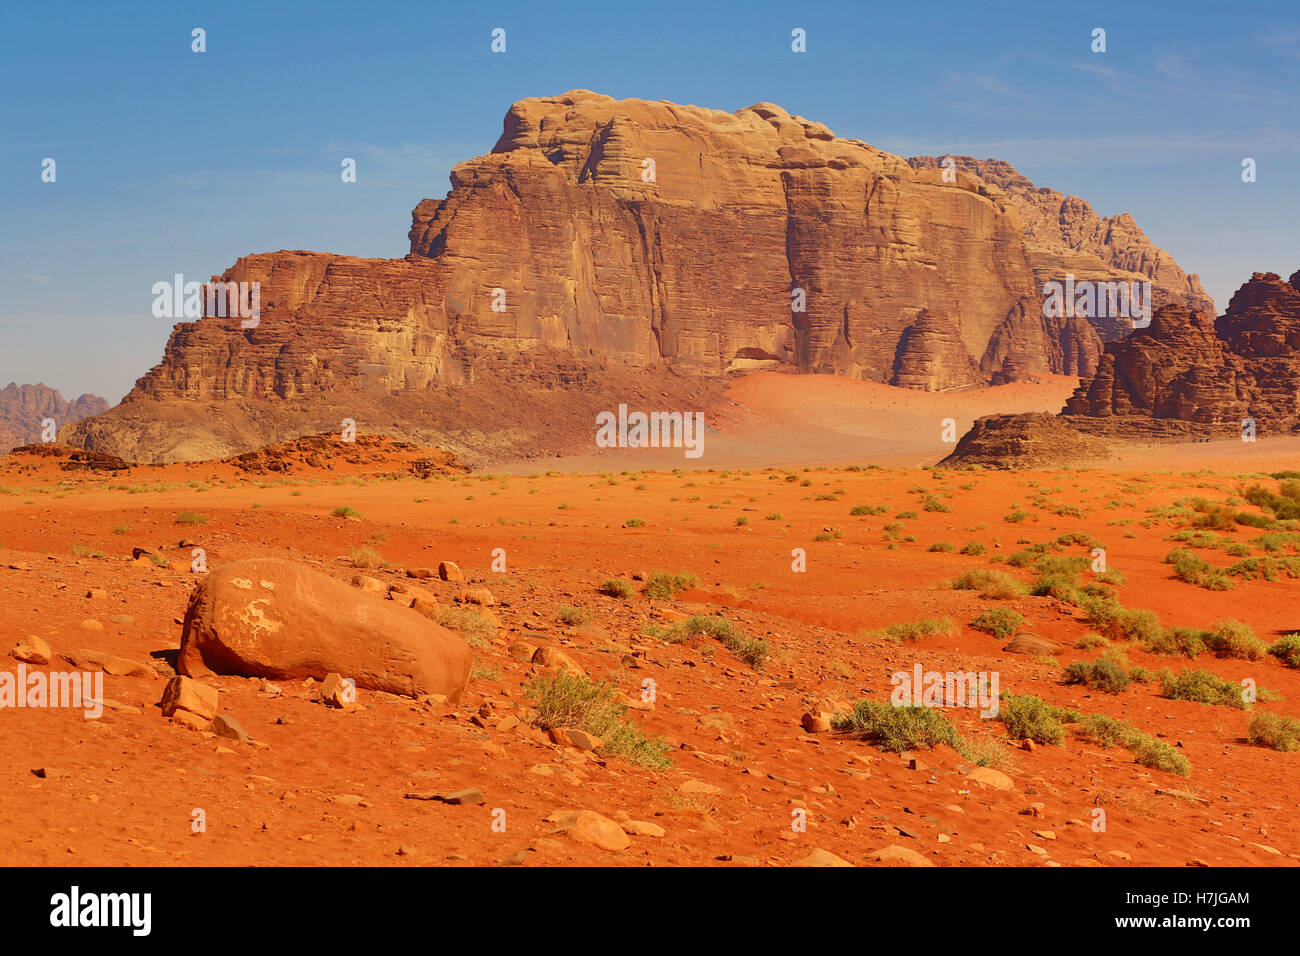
x,y
1035,440
608,245
1187,374
1064,235
24,407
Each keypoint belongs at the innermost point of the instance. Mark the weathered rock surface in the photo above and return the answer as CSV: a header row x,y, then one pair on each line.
x,y
265,617
610,249
1064,235
1034,440
1187,375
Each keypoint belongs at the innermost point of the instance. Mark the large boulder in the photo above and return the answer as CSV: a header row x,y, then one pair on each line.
x,y
265,617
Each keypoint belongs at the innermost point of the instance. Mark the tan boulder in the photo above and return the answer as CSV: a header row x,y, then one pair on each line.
x,y
821,857
32,650
1032,645
898,856
587,826
265,617
185,693
449,571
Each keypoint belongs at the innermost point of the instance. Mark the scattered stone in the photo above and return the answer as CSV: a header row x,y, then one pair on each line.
x,y
893,854
643,828
97,594
185,693
191,720
988,777
821,857
457,798
90,624
550,657
32,650
583,740
224,725
336,692
110,664
421,574
448,571
818,723
587,826
368,584
699,786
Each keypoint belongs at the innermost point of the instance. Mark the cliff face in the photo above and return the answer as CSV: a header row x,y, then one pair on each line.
x,y
1187,373
602,234
24,407
1064,235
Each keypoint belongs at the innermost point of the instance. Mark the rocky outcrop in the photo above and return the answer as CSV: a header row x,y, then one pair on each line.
x,y
1063,235
1189,375
603,242
23,408
1036,440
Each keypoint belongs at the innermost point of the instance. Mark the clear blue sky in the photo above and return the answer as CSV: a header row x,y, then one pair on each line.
x,y
171,161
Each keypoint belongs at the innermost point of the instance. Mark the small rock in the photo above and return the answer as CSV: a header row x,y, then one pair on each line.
x,y
821,857
227,726
184,693
32,650
448,571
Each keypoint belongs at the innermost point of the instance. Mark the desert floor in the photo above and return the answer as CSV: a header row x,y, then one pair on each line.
x,y
327,786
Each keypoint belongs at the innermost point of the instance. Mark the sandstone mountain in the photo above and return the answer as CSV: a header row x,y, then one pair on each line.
x,y
1188,374
24,407
609,251
1063,235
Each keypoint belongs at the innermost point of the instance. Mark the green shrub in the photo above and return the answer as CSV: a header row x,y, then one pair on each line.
x,y
1000,622
915,630
1202,687
567,699
662,586
1273,730
617,587
1105,674
995,585
753,651
898,728
568,614
1287,650
1032,718
191,518
1184,641
942,546
1234,639
1192,568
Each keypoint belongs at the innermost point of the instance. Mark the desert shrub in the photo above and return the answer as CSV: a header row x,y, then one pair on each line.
x,y
616,587
191,518
933,503
995,585
1102,610
475,628
859,510
753,651
1184,641
1137,624
1273,730
1107,732
1192,568
662,586
1090,641
1106,674
898,728
915,630
1234,639
1001,622
1032,718
973,548
568,614
1202,687
365,557
1287,650
942,546
634,523
566,699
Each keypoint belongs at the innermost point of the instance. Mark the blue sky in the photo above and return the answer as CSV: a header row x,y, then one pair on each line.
x,y
170,161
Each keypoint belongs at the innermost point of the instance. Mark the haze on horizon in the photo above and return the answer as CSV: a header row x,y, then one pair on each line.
x,y
175,162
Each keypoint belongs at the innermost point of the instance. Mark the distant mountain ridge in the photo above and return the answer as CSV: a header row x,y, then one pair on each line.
x,y
24,407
